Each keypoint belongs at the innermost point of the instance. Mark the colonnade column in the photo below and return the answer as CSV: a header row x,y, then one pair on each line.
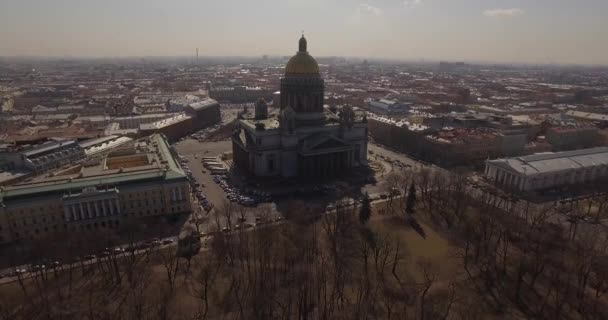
x,y
67,212
104,208
73,209
81,211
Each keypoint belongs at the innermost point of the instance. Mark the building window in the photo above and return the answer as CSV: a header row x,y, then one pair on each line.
x,y
258,141
357,152
270,164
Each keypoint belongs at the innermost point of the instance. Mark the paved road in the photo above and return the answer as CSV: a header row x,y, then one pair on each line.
x,y
173,243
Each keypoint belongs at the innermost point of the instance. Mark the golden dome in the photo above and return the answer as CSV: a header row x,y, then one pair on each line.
x,y
302,63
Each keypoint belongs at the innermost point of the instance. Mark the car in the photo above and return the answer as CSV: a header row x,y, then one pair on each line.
x,y
17,272
118,250
143,246
89,257
38,267
241,219
226,229
247,225
167,241
130,249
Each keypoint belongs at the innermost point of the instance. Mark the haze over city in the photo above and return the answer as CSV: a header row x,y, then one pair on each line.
x,y
510,31
304,159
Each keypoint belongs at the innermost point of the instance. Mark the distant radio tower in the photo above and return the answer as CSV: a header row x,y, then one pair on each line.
x,y
196,54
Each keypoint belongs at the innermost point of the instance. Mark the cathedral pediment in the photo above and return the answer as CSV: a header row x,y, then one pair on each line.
x,y
323,142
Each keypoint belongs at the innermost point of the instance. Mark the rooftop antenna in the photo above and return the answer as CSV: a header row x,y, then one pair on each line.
x,y
196,54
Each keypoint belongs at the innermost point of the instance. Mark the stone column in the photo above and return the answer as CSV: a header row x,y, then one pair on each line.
x,y
89,210
67,212
73,211
81,211
104,209
111,207
117,206
96,204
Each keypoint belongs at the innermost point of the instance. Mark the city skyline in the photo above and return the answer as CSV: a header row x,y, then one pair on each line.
x,y
470,30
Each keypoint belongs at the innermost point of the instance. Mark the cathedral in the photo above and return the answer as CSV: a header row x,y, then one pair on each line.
x,y
305,139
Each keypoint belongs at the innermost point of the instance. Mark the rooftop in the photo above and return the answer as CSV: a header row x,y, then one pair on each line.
x,y
398,123
203,104
144,160
95,146
555,161
48,147
165,122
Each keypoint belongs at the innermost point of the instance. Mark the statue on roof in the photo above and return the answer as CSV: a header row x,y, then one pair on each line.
x,y
347,117
288,119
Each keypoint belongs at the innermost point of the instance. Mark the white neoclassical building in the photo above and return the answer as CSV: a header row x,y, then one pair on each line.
x,y
549,170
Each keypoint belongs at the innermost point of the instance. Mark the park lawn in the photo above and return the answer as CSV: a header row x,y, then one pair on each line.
x,y
432,248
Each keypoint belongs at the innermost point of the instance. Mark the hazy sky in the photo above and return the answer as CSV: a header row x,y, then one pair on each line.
x,y
537,31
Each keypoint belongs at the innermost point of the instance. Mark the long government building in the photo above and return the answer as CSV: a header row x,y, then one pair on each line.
x,y
138,179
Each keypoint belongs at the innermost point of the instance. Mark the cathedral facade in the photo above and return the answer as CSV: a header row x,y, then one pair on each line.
x,y
305,139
